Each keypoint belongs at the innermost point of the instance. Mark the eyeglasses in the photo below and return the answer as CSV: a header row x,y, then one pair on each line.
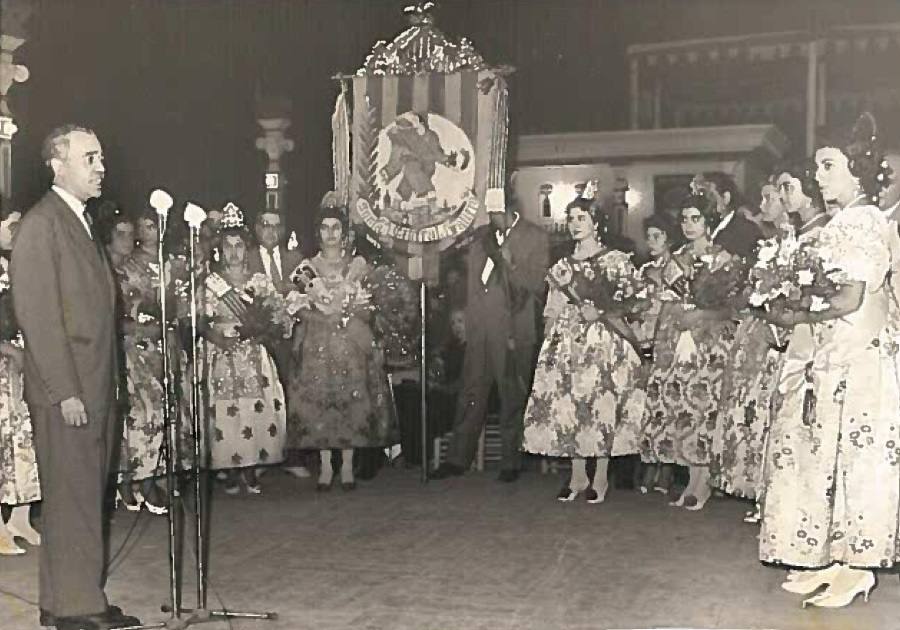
x,y
266,224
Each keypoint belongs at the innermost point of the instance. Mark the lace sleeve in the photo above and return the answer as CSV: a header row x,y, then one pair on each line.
x,y
856,244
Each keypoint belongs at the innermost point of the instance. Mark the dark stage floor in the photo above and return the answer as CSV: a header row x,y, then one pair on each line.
x,y
466,554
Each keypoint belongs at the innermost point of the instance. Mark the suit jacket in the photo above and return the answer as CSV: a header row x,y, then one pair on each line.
x,y
740,237
64,294
510,301
289,261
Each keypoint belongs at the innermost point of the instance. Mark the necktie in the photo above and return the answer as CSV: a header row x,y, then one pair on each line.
x,y
274,271
90,223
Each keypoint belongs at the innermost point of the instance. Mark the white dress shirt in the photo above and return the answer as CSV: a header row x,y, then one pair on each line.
x,y
271,257
76,205
501,238
722,225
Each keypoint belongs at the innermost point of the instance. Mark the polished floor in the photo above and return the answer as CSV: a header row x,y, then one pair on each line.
x,y
463,554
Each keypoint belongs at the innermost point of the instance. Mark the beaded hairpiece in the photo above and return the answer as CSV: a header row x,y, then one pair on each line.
x,y
232,217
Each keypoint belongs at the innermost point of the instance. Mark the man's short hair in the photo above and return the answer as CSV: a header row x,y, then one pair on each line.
x,y
725,184
56,144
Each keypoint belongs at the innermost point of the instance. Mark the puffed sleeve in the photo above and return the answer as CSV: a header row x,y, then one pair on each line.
x,y
855,243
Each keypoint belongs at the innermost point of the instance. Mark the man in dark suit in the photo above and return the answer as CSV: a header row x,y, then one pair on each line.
x,y
65,296
507,262
737,234
277,263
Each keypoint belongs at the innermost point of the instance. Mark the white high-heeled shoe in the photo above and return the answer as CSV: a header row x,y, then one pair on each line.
x,y
594,496
806,582
8,546
839,599
29,535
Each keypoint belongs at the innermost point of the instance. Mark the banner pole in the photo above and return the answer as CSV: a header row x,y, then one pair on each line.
x,y
423,379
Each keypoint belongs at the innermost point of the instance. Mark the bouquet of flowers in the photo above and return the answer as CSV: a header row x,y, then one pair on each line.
x,y
347,298
265,316
259,307
617,290
8,329
792,275
716,281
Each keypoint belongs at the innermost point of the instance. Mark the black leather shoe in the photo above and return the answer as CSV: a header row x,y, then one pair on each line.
x,y
103,621
508,476
447,470
48,619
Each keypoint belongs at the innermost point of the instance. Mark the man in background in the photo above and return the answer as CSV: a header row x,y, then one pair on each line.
x,y
507,262
277,262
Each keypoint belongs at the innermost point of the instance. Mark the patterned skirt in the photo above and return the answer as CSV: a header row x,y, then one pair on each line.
x,y
19,481
586,400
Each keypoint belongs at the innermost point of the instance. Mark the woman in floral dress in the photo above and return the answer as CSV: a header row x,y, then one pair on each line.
x,y
693,341
662,238
246,399
586,401
19,482
750,381
833,461
141,463
339,396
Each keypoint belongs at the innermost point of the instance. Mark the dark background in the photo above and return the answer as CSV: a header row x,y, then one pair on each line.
x,y
170,85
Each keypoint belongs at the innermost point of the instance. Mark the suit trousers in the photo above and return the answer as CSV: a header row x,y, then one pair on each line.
x,y
489,360
74,464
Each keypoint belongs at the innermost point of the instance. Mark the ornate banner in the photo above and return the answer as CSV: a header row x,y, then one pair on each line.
x,y
429,129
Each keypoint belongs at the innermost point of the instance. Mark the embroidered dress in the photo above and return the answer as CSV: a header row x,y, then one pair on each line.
x,y
246,400
685,383
143,427
833,459
19,481
339,395
586,399
748,394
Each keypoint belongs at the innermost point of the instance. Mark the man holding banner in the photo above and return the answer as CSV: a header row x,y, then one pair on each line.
x,y
507,264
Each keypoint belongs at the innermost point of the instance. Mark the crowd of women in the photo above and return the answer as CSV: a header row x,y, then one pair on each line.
x,y
766,367
756,350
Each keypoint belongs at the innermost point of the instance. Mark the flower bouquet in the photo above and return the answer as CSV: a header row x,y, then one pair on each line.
x,y
8,329
716,281
616,291
793,275
259,307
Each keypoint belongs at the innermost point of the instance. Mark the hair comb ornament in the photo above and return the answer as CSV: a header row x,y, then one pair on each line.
x,y
865,159
699,185
303,275
232,217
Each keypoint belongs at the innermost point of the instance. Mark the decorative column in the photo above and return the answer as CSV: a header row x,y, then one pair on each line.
x,y
273,115
635,91
12,36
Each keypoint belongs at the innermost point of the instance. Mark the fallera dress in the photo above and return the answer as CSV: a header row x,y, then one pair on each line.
x,y
833,464
586,400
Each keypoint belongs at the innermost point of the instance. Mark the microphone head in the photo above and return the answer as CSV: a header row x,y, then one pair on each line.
x,y
194,215
161,201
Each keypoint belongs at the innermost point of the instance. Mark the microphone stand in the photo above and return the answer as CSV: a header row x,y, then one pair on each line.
x,y
200,614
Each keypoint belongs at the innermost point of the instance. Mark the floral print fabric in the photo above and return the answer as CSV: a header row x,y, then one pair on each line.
x,y
685,383
340,397
586,400
247,410
833,460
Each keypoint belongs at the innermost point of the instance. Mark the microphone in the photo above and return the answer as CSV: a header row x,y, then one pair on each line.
x,y
194,215
161,201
